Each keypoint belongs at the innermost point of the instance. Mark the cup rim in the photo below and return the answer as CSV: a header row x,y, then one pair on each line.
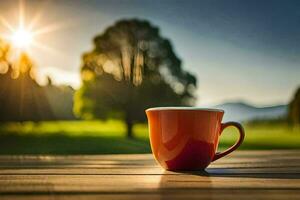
x,y
184,109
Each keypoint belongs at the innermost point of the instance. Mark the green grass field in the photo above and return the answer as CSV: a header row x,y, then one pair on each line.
x,y
98,137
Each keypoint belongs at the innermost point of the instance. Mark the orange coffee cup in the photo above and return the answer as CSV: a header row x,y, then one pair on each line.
x,y
186,138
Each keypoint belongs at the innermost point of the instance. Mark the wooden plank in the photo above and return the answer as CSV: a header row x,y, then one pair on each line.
x,y
244,174
220,194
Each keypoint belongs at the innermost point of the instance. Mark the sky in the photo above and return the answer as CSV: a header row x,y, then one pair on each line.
x,y
239,50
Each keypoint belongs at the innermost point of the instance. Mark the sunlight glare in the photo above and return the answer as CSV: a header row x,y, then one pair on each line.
x,y
22,38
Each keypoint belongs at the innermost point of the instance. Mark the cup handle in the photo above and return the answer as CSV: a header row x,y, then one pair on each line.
x,y
219,155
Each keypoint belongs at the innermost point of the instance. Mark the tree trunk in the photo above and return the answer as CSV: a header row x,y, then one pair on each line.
x,y
129,125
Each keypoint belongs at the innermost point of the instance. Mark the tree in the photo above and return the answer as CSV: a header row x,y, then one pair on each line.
x,y
21,98
294,108
131,68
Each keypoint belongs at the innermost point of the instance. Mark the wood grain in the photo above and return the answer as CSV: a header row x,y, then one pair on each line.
x,y
242,175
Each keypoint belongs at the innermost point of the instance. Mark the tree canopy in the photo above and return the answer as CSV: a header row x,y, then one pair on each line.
x,y
131,68
22,98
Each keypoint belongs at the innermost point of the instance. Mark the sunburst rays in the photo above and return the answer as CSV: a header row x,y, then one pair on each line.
x,y
24,36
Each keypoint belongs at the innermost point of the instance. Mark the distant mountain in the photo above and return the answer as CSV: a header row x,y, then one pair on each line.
x,y
239,111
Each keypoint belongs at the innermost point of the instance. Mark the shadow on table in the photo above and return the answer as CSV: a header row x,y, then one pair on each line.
x,y
244,173
200,184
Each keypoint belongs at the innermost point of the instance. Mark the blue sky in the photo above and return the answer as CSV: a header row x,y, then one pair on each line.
x,y
239,50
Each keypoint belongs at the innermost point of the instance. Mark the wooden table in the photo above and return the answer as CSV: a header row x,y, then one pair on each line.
x,y
242,175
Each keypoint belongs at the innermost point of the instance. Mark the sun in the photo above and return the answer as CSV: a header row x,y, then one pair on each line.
x,y
22,38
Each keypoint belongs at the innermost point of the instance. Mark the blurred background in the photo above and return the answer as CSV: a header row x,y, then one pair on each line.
x,y
76,76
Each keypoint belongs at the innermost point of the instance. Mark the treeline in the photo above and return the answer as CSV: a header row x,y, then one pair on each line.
x,y
22,98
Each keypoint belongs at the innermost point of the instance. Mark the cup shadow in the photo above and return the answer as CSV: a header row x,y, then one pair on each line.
x,y
196,184
244,173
